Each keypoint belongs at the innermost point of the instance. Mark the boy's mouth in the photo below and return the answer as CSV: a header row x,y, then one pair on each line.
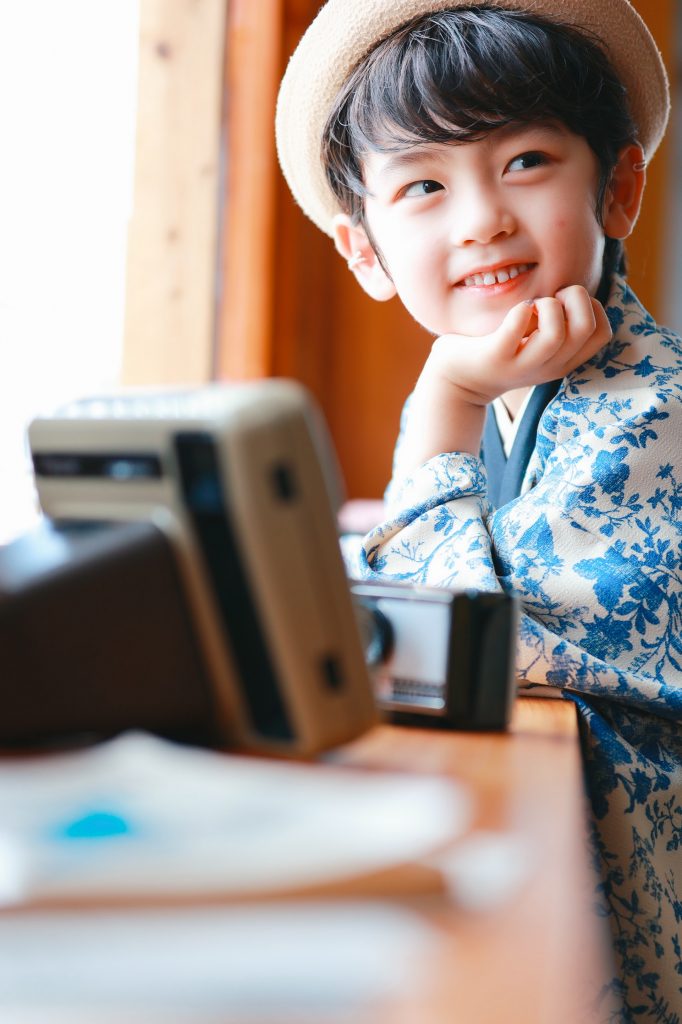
x,y
499,275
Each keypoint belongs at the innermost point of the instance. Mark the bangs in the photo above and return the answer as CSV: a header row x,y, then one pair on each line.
x,y
449,81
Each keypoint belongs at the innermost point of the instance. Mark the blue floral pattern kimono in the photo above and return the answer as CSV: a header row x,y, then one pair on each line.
x,y
592,547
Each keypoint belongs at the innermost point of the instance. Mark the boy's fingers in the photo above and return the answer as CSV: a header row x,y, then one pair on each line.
x,y
602,323
516,325
600,336
586,352
579,310
551,330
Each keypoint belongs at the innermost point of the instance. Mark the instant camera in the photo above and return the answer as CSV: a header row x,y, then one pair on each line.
x,y
187,578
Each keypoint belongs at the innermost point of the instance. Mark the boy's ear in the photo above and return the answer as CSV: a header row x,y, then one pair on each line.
x,y
352,242
624,194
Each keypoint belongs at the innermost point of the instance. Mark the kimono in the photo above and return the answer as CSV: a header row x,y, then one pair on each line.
x,y
592,548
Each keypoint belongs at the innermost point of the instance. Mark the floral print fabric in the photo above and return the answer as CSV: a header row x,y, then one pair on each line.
x,y
592,548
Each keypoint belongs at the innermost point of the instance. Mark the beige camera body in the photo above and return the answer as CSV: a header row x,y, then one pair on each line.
x,y
242,480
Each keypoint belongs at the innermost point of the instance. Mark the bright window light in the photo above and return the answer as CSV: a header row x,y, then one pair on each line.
x,y
68,85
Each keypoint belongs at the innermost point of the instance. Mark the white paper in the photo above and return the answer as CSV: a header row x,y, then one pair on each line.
x,y
294,963
139,815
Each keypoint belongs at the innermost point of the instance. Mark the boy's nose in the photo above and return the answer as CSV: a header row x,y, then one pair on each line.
x,y
480,222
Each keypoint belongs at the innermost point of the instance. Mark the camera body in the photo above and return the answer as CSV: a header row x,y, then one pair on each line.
x,y
239,482
440,657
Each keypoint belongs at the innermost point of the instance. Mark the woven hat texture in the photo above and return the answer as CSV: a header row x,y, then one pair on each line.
x,y
345,31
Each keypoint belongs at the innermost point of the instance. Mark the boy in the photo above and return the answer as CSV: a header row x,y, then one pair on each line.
x,y
484,162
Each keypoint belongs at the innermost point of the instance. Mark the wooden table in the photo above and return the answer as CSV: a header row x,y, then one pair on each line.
x,y
543,956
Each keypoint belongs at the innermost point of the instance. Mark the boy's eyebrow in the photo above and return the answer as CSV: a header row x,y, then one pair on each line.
x,y
405,158
437,152
551,128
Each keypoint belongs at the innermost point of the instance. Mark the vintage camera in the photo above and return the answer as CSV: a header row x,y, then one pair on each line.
x,y
187,578
439,657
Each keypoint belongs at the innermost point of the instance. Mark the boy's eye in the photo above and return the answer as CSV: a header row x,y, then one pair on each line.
x,y
525,161
422,188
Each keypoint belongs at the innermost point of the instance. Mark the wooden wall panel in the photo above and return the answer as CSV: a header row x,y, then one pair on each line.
x,y
247,329
171,279
646,248
378,353
305,295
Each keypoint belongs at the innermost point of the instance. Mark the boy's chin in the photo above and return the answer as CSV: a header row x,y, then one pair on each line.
x,y
476,326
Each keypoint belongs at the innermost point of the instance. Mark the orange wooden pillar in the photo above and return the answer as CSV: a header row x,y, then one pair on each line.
x,y
647,247
245,333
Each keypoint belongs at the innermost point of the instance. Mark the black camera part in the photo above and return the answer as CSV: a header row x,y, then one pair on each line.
x,y
96,637
439,658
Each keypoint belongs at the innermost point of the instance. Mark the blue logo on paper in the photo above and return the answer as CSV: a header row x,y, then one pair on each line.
x,y
95,825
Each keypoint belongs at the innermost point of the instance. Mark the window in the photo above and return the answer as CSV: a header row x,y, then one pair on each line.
x,y
68,80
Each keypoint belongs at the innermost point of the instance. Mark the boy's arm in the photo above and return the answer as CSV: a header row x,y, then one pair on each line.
x,y
536,342
590,550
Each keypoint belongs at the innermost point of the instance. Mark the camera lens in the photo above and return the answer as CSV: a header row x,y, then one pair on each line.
x,y
376,632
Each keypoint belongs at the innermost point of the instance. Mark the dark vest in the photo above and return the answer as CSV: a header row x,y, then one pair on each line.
x,y
505,475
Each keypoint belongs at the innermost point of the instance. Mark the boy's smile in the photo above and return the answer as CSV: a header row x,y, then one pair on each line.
x,y
466,231
495,277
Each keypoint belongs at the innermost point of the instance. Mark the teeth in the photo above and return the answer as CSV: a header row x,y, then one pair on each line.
x,y
495,277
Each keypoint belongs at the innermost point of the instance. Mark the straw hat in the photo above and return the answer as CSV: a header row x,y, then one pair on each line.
x,y
345,31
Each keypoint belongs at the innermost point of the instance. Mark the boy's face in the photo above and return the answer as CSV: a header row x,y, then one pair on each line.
x,y
467,231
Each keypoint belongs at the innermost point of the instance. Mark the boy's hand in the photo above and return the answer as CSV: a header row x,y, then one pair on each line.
x,y
536,342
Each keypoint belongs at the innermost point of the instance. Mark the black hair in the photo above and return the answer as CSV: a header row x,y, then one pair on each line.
x,y
456,75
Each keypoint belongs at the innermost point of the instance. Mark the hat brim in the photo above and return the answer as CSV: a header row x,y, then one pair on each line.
x,y
345,31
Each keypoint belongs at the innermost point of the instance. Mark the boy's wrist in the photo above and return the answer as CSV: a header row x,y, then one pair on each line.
x,y
444,418
439,370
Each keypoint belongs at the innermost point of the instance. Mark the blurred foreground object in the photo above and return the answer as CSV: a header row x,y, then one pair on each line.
x,y
189,581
